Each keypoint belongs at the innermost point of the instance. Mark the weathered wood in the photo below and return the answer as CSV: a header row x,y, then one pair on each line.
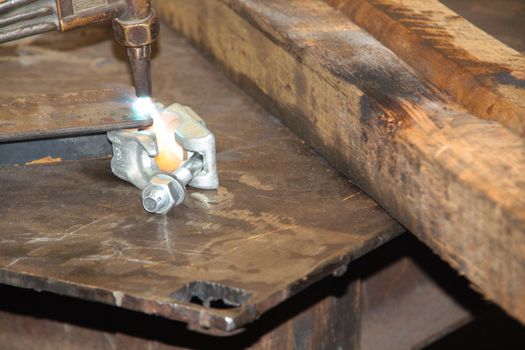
x,y
483,74
455,180
503,19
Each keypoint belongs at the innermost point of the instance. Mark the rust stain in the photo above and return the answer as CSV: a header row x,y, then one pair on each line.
x,y
45,160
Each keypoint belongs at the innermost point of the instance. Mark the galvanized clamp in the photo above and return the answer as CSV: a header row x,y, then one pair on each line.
x,y
134,155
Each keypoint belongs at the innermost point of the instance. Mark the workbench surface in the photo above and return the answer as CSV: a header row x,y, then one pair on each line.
x,y
281,219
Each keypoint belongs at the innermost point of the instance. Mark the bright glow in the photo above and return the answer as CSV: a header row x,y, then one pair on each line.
x,y
170,153
145,107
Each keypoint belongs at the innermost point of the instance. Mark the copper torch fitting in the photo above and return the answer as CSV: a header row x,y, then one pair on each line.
x,y
136,33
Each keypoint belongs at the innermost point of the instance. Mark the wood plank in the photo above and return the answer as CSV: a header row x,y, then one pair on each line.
x,y
480,72
503,19
455,180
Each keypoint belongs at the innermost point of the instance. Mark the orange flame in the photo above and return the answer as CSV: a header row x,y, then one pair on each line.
x,y
171,154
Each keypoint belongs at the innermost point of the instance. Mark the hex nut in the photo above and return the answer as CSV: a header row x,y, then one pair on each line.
x,y
178,191
163,193
156,196
137,33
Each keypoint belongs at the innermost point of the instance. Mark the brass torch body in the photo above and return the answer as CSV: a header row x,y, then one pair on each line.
x,y
135,26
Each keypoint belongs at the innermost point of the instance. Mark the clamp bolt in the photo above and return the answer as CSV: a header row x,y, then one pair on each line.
x,y
165,191
156,199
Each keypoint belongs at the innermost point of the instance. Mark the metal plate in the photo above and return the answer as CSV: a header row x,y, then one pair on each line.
x,y
51,89
67,114
94,146
281,220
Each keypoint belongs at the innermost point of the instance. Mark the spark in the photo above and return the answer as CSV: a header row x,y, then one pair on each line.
x,y
145,107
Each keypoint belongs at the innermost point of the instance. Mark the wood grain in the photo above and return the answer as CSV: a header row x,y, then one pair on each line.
x,y
455,180
480,72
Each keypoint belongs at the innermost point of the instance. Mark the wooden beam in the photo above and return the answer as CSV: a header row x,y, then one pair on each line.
x,y
481,73
456,181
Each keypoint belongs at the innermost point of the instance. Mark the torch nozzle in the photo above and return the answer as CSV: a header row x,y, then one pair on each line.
x,y
139,59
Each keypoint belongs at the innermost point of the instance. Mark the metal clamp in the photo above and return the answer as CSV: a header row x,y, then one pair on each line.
x,y
134,155
193,135
168,190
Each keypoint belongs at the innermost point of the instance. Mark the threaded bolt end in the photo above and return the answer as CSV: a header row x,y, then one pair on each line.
x,y
156,200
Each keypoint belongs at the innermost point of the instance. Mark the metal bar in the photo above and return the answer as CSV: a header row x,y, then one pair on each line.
x,y
13,4
55,149
32,13
26,30
91,16
59,115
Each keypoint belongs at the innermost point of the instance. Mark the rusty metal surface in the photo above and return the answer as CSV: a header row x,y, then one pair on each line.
x,y
60,85
326,316
66,114
281,220
400,296
56,149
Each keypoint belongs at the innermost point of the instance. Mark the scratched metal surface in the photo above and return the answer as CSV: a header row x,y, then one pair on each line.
x,y
281,220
